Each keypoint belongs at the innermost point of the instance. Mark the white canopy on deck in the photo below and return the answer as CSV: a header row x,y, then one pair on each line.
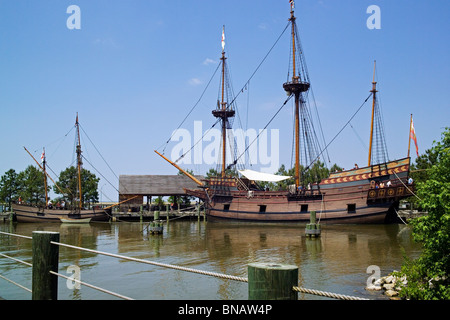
x,y
261,176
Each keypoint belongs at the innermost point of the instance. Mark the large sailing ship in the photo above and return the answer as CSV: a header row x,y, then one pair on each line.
x,y
49,213
369,194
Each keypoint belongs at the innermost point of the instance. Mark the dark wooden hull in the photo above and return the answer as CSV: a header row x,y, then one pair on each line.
x,y
30,214
343,198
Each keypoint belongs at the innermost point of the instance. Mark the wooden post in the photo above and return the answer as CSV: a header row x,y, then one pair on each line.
x,y
198,211
45,259
312,229
272,281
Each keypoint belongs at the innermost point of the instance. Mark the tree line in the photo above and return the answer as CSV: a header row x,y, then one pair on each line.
x,y
28,187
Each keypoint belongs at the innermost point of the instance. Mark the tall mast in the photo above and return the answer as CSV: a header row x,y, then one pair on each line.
x,y
374,100
223,111
224,120
296,87
79,164
44,162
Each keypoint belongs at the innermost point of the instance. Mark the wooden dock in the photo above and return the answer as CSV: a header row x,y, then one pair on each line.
x,y
411,214
149,215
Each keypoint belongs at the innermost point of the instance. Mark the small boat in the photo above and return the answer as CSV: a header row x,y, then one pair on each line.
x,y
67,220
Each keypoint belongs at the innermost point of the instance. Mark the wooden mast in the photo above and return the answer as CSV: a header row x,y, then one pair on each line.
x,y
44,162
222,111
79,164
296,87
62,192
297,105
224,122
374,99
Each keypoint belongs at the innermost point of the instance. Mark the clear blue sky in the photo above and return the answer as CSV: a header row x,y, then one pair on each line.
x,y
135,69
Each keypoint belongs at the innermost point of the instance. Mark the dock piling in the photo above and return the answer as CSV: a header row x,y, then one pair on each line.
x,y
45,259
312,228
268,281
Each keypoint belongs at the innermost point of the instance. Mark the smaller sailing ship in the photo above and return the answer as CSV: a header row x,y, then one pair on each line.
x,y
46,213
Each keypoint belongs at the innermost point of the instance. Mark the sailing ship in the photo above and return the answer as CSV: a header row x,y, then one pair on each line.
x,y
46,213
369,194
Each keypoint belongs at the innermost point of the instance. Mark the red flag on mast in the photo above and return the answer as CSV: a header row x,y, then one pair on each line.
x,y
412,135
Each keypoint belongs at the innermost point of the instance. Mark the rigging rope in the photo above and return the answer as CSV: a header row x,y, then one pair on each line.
x,y
192,109
340,131
261,131
235,97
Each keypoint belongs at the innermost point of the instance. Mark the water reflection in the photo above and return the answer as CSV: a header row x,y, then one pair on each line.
x,y
335,262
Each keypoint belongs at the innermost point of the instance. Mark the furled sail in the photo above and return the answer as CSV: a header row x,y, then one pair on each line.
x,y
261,176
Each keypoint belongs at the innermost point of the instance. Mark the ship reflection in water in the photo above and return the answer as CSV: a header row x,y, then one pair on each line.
x,y
335,262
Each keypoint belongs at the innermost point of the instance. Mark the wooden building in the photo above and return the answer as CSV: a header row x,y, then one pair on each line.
x,y
144,187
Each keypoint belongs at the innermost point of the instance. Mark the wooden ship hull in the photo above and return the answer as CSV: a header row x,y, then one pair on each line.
x,y
24,213
360,195
343,198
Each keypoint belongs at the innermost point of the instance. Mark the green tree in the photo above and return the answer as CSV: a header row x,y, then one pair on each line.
x,y
428,276
316,173
159,201
68,182
213,173
9,187
31,186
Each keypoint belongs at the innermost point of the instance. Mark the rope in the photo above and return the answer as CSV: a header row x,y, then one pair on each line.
x,y
164,265
406,186
16,235
326,294
342,129
264,129
17,260
20,286
399,216
192,109
92,286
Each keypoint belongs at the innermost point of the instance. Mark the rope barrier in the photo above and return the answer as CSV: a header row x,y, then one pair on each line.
x,y
15,283
92,286
17,260
164,265
326,294
16,235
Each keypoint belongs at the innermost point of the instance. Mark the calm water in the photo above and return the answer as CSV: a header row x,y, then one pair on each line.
x,y
335,262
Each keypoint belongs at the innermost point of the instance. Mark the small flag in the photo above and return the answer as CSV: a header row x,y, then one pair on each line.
x,y
291,2
223,38
413,136
43,157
